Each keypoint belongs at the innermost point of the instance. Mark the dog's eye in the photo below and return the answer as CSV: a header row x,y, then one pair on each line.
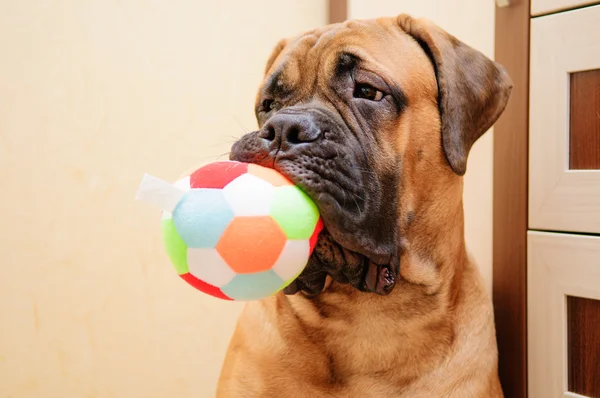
x,y
268,105
367,92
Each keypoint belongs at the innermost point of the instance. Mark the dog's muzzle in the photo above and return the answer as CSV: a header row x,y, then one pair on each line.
x,y
327,160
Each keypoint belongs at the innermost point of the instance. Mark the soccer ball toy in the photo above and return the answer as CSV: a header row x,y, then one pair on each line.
x,y
233,230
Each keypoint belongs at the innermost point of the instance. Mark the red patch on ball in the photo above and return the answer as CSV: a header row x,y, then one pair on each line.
x,y
217,175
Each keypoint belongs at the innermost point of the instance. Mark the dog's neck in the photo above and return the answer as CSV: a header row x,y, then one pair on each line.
x,y
433,262
434,253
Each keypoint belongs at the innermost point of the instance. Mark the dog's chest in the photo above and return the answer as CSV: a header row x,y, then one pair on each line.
x,y
366,342
380,358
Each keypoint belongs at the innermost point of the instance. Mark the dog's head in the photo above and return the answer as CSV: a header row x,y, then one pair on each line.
x,y
374,120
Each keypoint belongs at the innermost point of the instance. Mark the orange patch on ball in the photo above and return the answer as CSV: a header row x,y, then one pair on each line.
x,y
251,244
269,175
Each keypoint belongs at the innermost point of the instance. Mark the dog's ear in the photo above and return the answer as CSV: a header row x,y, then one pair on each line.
x,y
472,89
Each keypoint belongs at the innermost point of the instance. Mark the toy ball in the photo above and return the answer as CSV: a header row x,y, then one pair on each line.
x,y
235,231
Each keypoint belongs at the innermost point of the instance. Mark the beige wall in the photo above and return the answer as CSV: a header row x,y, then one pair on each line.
x,y
93,94
472,21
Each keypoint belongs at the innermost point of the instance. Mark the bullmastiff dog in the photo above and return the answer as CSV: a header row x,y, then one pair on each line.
x,y
374,120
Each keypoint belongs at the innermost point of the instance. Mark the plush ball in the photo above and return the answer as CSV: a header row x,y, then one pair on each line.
x,y
239,231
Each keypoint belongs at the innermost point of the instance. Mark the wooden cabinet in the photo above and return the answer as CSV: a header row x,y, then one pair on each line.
x,y
547,199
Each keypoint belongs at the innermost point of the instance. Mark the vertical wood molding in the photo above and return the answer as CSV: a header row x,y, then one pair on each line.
x,y
338,10
510,200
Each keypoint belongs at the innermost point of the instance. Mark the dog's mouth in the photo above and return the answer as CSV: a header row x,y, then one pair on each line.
x,y
357,245
344,266
337,253
354,185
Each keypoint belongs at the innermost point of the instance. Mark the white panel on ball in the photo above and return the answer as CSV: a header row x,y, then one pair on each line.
x,y
292,259
249,195
208,266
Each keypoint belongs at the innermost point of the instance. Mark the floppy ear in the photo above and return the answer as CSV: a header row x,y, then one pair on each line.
x,y
473,90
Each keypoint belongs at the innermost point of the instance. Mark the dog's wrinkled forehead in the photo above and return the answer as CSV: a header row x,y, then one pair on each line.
x,y
307,63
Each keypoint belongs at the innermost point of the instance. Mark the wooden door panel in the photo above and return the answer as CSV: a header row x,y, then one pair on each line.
x,y
563,269
564,49
584,345
584,120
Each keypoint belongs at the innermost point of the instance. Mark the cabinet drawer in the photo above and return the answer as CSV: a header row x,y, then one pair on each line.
x,y
563,294
564,136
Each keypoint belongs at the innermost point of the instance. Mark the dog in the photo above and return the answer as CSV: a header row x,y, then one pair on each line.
x,y
374,120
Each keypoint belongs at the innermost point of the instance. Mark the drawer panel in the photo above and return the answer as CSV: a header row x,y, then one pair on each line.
x,y
564,123
563,307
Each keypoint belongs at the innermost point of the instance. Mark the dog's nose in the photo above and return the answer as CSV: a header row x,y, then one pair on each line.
x,y
289,129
